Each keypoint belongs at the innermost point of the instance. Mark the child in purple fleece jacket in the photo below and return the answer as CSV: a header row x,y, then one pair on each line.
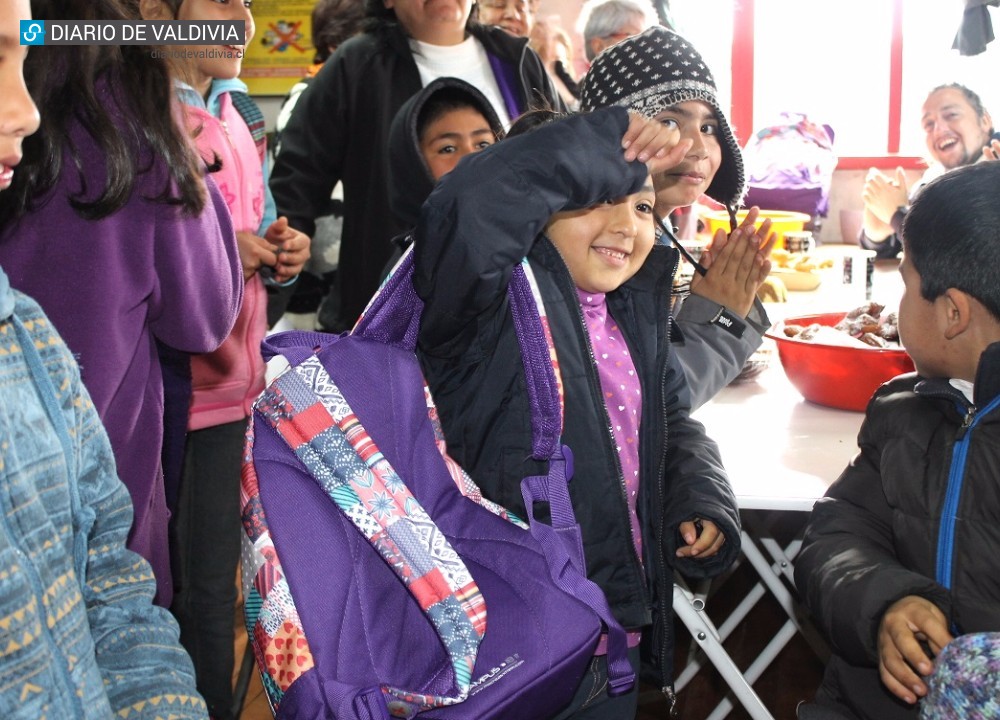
x,y
110,227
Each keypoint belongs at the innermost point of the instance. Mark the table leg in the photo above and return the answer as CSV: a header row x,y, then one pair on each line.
x,y
705,633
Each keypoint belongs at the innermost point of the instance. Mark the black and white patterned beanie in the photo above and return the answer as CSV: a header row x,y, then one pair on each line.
x,y
655,70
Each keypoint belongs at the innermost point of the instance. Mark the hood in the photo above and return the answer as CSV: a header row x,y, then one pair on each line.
x,y
6,297
410,179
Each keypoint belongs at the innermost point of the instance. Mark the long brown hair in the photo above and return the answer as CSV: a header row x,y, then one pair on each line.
x,y
138,126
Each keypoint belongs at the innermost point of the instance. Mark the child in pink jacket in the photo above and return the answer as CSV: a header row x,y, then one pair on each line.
x,y
228,130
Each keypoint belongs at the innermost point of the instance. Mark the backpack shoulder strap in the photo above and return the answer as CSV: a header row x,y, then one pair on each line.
x,y
254,119
310,413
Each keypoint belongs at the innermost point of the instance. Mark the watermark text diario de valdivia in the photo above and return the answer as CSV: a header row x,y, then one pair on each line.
x,y
133,32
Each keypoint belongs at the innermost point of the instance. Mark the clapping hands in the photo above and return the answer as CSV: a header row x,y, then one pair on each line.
x,y
736,264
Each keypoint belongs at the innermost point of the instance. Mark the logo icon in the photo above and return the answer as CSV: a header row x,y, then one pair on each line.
x,y
32,32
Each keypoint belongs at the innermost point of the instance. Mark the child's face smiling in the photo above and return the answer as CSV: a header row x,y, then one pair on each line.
x,y
452,136
605,245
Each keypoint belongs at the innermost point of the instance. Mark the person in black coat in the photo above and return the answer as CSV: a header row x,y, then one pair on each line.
x,y
649,489
903,553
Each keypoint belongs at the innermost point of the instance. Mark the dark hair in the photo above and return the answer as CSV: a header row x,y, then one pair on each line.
x,y
974,100
135,129
532,119
446,100
951,234
333,22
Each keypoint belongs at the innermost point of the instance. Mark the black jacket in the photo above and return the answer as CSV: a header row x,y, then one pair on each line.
x,y
876,536
340,132
466,244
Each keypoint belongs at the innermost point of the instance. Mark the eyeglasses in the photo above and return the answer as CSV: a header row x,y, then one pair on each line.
x,y
520,6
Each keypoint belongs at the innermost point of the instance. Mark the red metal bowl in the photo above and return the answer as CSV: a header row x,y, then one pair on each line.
x,y
838,377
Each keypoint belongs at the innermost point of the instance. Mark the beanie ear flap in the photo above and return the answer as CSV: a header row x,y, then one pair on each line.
x,y
729,184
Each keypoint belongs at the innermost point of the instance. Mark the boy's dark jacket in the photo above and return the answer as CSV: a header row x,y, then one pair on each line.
x,y
479,222
874,538
340,131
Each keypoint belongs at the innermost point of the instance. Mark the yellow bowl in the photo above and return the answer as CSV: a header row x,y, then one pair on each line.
x,y
798,280
782,221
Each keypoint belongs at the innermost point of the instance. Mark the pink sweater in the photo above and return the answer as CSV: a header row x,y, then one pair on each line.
x,y
226,382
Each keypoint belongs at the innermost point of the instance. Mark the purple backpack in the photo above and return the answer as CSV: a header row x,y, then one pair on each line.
x,y
379,583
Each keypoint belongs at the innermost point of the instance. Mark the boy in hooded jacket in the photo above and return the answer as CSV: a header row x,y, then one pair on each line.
x,y
721,321
432,131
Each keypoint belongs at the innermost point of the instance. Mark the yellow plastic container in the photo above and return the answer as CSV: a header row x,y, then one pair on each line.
x,y
782,221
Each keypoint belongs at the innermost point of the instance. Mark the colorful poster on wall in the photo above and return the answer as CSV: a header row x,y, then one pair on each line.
x,y
281,51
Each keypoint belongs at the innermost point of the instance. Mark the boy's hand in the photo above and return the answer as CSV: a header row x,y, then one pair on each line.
x,y
293,249
255,253
653,143
703,538
736,265
906,624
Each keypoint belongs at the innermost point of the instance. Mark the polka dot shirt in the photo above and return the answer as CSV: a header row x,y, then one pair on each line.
x,y
622,394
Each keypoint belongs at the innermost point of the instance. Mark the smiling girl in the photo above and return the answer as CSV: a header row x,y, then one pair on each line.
x,y
585,222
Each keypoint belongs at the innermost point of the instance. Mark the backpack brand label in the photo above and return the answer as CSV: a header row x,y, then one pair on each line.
x,y
509,665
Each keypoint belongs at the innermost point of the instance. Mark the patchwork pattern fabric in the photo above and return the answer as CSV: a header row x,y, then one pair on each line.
x,y
273,624
311,414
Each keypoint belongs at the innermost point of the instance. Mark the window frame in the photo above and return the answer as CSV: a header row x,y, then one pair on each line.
x,y
742,110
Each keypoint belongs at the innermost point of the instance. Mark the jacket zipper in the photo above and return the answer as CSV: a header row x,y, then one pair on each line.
x,y
956,476
607,424
662,585
569,292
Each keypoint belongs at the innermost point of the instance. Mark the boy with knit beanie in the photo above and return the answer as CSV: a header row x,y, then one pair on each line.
x,y
662,76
